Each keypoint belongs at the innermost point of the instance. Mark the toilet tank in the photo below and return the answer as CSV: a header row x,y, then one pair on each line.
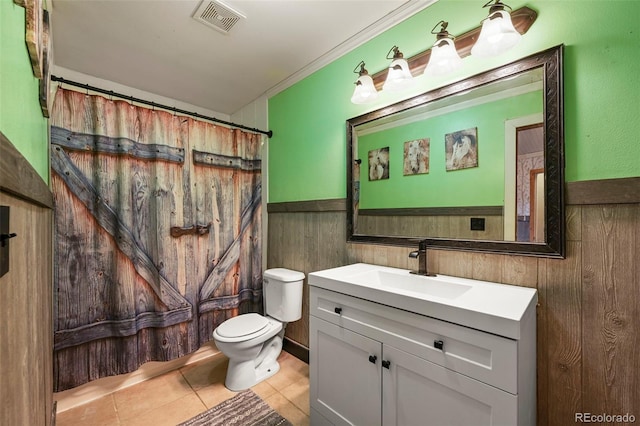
x,y
282,290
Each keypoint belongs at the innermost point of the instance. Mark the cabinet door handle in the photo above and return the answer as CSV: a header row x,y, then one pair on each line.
x,y
438,344
372,359
386,364
337,310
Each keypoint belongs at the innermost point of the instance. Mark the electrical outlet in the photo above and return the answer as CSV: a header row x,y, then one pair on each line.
x,y
477,223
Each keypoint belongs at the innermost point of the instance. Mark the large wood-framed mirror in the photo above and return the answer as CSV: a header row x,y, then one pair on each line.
x,y
474,165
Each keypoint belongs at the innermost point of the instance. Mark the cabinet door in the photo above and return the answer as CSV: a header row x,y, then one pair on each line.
x,y
419,392
345,377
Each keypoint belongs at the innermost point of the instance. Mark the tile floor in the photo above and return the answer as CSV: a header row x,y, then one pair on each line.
x,y
181,394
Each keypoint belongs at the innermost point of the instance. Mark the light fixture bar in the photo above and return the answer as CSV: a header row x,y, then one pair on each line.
x,y
522,20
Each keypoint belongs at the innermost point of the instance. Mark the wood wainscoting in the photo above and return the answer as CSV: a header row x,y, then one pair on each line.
x,y
306,237
589,302
449,222
26,331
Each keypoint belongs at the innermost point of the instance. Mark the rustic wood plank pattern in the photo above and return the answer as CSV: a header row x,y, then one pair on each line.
x,y
544,391
121,328
520,270
189,272
26,363
562,282
230,302
143,193
588,304
225,161
634,367
276,247
488,267
574,223
295,238
306,242
111,223
399,258
441,226
611,315
231,255
117,146
457,264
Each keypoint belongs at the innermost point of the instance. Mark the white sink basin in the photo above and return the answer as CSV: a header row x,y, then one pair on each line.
x,y
407,282
491,307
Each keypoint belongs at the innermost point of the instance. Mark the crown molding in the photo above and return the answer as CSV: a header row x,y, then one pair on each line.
x,y
405,11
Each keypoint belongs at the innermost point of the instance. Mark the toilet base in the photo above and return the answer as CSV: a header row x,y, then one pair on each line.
x,y
243,374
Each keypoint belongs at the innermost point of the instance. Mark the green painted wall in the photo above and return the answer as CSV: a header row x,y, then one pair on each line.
x,y
478,186
21,118
307,153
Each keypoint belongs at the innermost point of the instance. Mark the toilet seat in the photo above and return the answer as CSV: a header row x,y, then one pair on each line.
x,y
243,327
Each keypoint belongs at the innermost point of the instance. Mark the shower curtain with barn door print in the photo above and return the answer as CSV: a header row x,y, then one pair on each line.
x,y
157,234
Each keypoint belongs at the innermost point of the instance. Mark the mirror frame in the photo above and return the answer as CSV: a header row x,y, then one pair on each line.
x,y
551,60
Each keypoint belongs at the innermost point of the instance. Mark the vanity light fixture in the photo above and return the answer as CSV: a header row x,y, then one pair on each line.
x,y
399,75
498,33
444,56
365,90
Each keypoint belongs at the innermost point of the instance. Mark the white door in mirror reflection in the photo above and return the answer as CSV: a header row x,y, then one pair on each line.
x,y
524,179
530,183
536,229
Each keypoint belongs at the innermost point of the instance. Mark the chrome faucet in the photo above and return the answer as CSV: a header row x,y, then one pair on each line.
x,y
421,254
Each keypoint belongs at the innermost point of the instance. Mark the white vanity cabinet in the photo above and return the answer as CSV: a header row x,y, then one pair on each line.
x,y
376,364
347,385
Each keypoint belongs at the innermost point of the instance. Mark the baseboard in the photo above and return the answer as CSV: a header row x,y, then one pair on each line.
x,y
91,391
296,349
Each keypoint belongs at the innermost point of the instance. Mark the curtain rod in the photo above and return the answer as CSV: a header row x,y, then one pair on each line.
x,y
269,133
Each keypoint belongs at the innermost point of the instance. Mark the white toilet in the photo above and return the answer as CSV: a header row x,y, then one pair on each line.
x,y
252,342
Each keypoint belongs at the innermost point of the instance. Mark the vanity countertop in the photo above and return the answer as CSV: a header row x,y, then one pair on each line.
x,y
491,307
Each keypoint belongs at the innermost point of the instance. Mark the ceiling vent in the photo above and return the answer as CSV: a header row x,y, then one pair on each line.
x,y
217,15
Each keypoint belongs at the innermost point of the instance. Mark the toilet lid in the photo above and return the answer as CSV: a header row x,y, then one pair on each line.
x,y
242,325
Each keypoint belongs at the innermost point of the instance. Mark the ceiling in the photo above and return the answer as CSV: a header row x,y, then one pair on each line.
x,y
157,46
